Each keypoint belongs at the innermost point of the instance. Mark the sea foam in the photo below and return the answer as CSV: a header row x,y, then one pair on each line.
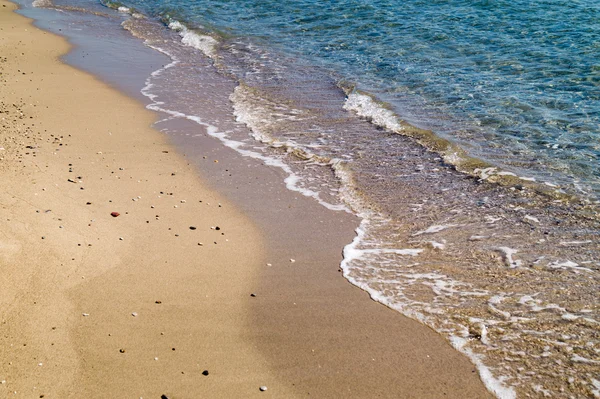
x,y
206,44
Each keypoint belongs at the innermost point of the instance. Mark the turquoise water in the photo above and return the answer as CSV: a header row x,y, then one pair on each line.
x,y
514,82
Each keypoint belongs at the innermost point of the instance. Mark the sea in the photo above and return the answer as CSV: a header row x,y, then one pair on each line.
x,y
465,135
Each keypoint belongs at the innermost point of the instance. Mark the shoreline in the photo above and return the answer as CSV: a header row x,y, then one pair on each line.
x,y
306,331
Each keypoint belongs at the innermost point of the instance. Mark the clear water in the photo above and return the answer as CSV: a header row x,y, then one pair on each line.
x,y
515,82
508,274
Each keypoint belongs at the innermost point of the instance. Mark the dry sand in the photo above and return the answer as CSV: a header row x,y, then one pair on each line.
x,y
139,305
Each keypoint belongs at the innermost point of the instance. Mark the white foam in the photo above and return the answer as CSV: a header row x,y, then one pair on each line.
x,y
436,245
508,257
365,107
573,243
404,252
540,389
41,3
581,359
493,384
206,44
478,238
568,265
527,178
596,385
531,218
485,173
569,317
124,10
433,229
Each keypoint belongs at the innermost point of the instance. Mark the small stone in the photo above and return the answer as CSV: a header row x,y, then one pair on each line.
x,y
88,203
158,302
120,238
192,227
217,228
85,314
205,372
292,260
164,397
183,201
155,358
134,314
253,295
122,350
115,214
263,388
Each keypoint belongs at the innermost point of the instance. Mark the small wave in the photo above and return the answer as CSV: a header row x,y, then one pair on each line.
x,y
206,44
42,3
368,108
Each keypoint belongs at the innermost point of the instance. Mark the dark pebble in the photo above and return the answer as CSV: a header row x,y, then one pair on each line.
x,y
253,295
205,372
164,397
192,227
122,350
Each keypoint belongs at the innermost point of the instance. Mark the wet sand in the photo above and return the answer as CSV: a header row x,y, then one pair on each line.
x,y
140,304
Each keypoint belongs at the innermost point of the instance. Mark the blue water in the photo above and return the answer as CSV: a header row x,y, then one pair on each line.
x,y
514,82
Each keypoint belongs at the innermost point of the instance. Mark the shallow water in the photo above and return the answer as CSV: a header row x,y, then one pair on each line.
x,y
508,273
515,82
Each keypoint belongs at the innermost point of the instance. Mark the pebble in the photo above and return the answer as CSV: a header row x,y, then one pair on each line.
x,y
85,314
134,314
263,388
120,238
192,227
115,214
205,372
122,350
164,397
292,260
253,295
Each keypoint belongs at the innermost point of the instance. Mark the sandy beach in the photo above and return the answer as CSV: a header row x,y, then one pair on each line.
x,y
127,273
